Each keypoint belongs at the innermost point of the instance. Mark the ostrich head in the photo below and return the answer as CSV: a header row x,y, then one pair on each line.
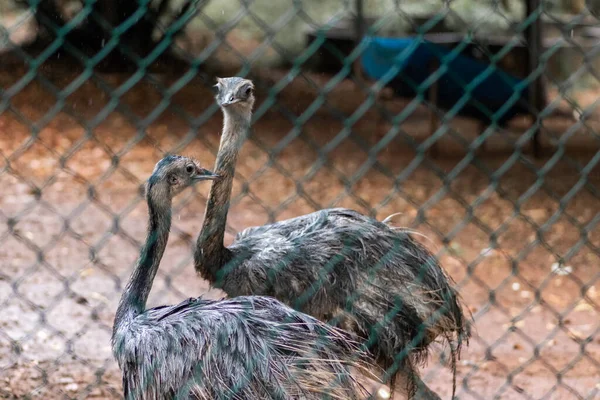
x,y
235,94
172,175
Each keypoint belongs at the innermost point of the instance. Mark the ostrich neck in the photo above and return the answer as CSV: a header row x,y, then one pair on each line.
x,y
210,249
134,298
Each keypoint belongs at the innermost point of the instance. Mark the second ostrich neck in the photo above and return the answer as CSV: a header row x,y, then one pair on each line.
x,y
211,253
134,298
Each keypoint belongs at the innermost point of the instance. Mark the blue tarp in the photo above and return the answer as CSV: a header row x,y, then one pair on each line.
x,y
413,57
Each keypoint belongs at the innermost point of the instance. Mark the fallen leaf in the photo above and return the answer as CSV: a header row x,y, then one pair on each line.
x,y
520,324
576,334
72,387
456,247
583,306
86,272
517,324
488,251
99,297
560,269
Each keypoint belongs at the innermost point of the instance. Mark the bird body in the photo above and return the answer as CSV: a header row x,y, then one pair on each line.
x,y
312,260
244,348
335,264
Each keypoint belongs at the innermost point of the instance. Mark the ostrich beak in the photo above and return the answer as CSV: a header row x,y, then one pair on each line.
x,y
227,103
204,175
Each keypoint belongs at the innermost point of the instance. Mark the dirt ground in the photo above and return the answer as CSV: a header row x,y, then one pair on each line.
x,y
75,197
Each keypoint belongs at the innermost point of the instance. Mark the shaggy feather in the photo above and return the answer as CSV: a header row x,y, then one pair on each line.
x,y
326,253
243,348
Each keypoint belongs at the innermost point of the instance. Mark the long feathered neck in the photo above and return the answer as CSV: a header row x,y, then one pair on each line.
x,y
134,298
211,254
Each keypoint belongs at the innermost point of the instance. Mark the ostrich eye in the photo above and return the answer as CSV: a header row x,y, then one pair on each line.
x,y
173,179
189,169
232,98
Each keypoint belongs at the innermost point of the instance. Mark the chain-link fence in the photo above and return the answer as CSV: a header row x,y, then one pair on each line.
x,y
474,123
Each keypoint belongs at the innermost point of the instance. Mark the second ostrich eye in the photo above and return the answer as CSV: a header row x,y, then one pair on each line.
x,y
189,169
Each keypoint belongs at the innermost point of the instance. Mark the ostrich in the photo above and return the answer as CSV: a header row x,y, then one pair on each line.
x,y
244,348
337,265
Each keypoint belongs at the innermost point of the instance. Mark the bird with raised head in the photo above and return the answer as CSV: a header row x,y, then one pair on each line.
x,y
336,264
249,347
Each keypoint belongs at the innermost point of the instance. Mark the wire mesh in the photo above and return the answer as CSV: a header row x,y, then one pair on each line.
x,y
92,98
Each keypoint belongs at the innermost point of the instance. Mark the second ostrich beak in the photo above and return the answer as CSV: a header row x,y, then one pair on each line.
x,y
204,175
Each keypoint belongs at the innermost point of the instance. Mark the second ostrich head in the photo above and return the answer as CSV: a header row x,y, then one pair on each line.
x,y
235,94
172,175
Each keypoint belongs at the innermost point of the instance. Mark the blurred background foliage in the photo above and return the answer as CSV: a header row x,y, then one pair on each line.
x,y
287,22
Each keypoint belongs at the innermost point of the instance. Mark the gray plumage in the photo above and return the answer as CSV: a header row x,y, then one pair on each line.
x,y
336,264
245,348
